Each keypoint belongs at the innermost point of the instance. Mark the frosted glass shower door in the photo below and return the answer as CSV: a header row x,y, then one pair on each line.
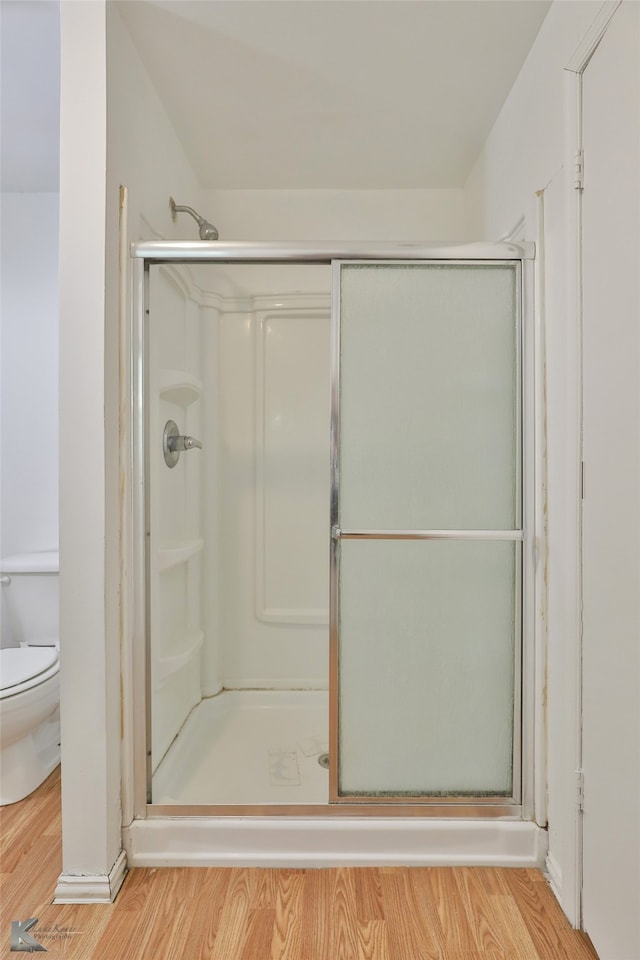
x,y
426,531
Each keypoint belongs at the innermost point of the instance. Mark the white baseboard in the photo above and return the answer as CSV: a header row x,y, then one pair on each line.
x,y
554,876
92,888
280,842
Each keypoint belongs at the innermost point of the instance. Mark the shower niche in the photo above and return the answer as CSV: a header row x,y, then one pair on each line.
x,y
342,568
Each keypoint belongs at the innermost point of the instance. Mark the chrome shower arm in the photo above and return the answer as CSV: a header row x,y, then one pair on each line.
x,y
207,230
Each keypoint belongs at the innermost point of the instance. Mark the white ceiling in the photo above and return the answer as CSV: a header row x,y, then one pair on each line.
x,y
333,93
289,93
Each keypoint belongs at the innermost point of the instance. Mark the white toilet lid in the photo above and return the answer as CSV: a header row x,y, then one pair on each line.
x,y
19,664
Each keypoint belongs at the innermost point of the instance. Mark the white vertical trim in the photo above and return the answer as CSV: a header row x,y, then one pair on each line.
x,y
608,123
137,698
577,194
554,875
565,810
540,622
530,569
127,533
572,897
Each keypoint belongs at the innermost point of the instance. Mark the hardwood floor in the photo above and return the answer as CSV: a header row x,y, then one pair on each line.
x,y
252,914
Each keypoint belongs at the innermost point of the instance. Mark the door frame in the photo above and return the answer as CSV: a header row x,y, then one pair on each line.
x,y
570,895
136,698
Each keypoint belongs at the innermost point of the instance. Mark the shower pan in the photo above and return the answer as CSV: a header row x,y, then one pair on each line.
x,y
366,418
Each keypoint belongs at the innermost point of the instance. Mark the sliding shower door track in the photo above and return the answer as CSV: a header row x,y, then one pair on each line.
x,y
470,809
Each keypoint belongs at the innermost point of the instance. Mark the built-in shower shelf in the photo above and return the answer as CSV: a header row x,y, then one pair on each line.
x,y
179,387
173,554
165,667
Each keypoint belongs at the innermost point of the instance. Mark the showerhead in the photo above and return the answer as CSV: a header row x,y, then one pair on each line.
x,y
207,230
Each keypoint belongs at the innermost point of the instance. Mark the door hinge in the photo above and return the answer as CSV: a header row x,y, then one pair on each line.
x,y
582,480
578,177
580,789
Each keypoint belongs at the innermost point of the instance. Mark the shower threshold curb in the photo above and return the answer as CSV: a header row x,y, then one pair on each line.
x,y
293,842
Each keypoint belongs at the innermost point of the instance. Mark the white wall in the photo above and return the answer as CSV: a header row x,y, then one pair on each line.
x,y
526,170
88,693
308,215
29,372
611,505
273,381
527,145
136,143
145,156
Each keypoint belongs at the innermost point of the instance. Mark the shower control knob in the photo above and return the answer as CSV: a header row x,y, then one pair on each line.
x,y
174,443
184,443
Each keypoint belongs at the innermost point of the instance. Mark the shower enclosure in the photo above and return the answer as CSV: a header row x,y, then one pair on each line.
x,y
334,458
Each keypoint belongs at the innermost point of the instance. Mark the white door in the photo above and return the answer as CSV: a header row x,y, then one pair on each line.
x,y
611,506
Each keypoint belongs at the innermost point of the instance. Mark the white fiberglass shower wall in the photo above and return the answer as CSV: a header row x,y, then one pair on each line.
x,y
238,357
228,606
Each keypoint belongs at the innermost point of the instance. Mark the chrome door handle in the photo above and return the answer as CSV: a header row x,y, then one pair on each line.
x,y
174,443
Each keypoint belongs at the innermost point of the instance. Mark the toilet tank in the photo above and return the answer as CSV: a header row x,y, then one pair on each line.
x,y
29,598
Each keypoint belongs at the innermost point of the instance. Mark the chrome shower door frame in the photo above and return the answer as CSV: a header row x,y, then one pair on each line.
x,y
528,689
519,800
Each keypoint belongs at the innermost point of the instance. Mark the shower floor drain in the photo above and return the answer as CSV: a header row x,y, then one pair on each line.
x,y
323,760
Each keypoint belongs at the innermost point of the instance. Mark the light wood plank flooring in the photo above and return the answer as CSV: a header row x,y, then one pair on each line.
x,y
251,914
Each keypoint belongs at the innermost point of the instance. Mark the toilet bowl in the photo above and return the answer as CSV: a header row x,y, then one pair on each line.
x,y
29,719
29,674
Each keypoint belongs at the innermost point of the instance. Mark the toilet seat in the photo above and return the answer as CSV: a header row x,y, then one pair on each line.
x,y
22,668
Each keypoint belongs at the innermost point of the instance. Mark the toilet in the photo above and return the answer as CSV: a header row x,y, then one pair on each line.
x,y
29,673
